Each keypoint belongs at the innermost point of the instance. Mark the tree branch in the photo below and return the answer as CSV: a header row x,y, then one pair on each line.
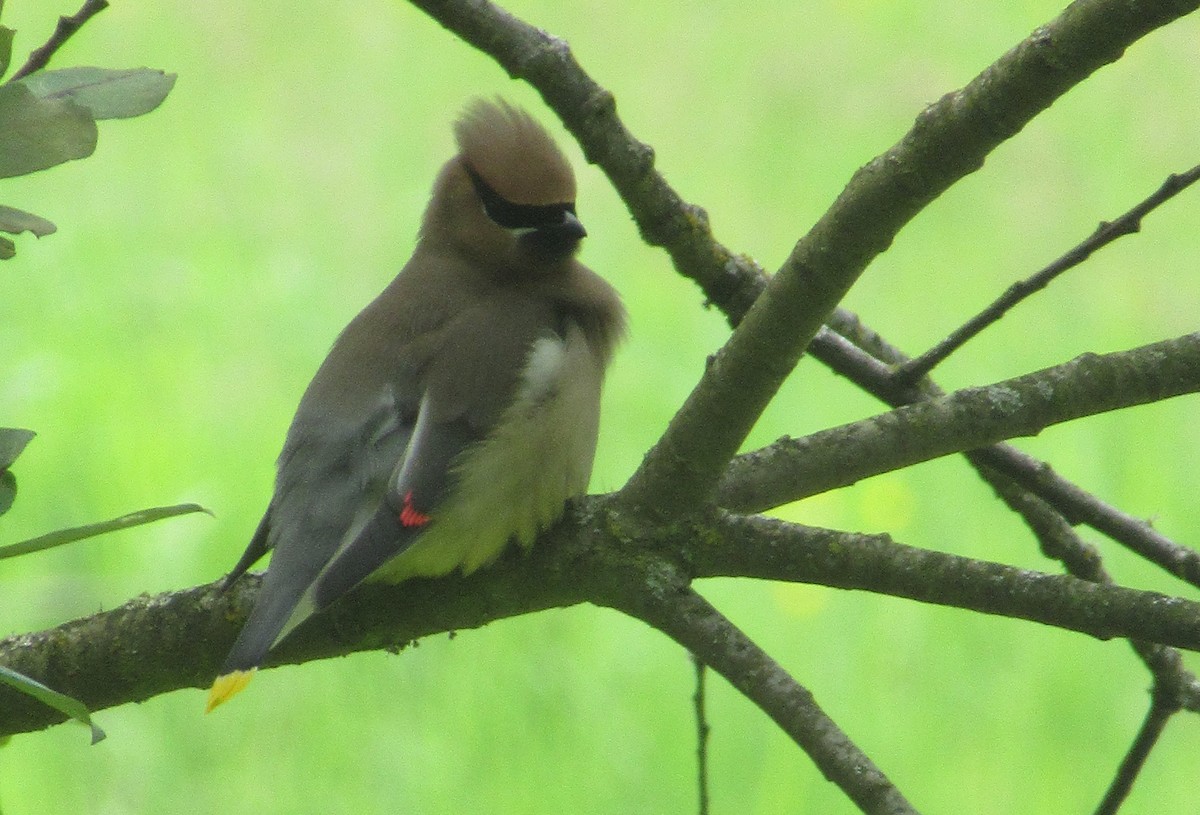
x,y
1162,708
153,645
949,140
861,355
156,644
690,620
1083,38
1081,507
589,112
1108,231
757,546
66,27
1009,472
1060,542
791,469
703,730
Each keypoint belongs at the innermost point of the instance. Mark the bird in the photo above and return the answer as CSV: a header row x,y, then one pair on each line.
x,y
458,412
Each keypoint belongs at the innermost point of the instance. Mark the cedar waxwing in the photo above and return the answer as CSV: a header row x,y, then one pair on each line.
x,y
456,412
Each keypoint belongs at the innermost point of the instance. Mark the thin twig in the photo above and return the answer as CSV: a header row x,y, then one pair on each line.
x,y
1166,664
790,469
690,620
1060,541
1106,233
867,367
773,549
40,57
702,731
1162,707
1010,473
861,355
664,218
1081,507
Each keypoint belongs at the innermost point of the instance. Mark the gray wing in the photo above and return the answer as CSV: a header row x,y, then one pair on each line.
x,y
419,486
327,487
468,387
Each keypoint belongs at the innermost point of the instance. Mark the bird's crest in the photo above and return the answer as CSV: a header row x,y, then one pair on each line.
x,y
514,154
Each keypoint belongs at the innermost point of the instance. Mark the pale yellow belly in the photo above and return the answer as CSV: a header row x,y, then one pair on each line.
x,y
515,483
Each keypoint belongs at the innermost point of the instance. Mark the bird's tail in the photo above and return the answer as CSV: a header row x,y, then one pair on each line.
x,y
272,618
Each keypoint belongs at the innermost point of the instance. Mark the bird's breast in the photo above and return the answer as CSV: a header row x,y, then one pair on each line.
x,y
515,482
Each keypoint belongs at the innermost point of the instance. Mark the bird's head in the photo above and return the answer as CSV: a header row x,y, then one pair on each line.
x,y
507,199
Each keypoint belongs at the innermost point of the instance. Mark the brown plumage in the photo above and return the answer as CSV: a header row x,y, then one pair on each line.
x,y
514,154
458,411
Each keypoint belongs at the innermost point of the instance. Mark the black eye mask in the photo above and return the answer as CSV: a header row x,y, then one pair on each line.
x,y
517,216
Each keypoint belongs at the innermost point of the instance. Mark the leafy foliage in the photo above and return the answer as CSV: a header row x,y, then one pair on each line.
x,y
40,133
61,702
78,533
48,117
12,443
104,93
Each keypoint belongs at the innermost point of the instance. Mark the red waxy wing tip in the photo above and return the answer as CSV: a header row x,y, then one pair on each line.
x,y
410,515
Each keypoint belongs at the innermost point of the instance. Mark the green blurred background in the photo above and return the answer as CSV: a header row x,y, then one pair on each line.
x,y
208,254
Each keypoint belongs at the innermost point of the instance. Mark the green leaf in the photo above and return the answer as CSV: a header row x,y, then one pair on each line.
x,y
62,536
67,705
6,40
12,442
16,221
107,93
8,490
39,133
8,249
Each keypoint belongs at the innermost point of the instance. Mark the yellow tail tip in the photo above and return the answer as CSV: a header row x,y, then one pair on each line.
x,y
226,687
